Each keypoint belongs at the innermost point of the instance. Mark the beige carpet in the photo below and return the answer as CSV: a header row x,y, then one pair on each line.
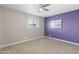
x,y
42,46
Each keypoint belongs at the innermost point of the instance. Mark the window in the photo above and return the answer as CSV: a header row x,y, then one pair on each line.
x,y
56,24
33,21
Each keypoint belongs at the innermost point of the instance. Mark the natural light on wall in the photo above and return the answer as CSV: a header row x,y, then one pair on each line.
x,y
56,23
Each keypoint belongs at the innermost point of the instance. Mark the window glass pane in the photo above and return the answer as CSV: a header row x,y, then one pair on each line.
x,y
30,21
56,24
36,22
33,21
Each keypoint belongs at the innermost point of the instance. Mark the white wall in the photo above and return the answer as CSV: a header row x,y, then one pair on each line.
x,y
1,25
15,26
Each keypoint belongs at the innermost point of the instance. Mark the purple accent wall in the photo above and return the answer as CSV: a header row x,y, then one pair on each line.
x,y
70,30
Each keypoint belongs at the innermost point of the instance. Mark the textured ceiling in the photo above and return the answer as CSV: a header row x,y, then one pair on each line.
x,y
54,9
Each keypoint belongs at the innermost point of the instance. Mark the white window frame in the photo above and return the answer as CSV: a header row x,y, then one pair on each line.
x,y
56,23
33,22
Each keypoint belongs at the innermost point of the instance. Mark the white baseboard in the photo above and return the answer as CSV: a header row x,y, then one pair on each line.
x,y
62,40
37,38
19,42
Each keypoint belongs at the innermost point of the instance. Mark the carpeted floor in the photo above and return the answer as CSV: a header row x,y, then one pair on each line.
x,y
41,46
